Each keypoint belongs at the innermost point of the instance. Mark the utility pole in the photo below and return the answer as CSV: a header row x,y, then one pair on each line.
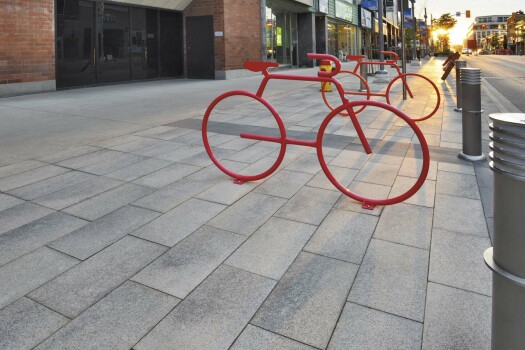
x,y
381,72
403,52
426,33
415,61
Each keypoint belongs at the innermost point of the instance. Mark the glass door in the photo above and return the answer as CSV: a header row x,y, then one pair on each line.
x,y
144,43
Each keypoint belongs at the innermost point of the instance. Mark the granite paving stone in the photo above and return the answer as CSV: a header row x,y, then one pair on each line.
x,y
157,149
23,275
272,248
30,176
350,159
203,159
248,214
456,319
56,183
406,224
71,195
343,235
69,153
181,153
227,192
106,166
452,213
467,169
164,132
186,265
392,278
136,144
20,215
425,195
411,167
99,234
115,141
343,175
255,338
363,328
172,227
152,132
140,169
118,321
459,185
24,324
378,173
82,286
284,184
167,175
24,239
213,315
456,260
20,167
309,205
98,206
367,190
306,303
253,153
308,163
87,159
7,201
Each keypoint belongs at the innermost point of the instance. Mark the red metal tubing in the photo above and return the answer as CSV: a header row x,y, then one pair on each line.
x,y
287,141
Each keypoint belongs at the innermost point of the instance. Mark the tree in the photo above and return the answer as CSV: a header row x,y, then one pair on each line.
x,y
444,24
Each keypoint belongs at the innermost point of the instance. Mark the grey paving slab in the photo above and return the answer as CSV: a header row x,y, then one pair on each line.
x,y
308,163
21,214
24,239
248,214
272,248
425,195
366,190
90,158
30,176
306,303
69,153
378,173
203,159
167,175
462,215
411,167
140,169
98,206
79,288
106,166
363,328
459,185
392,278
227,192
31,271
343,235
284,184
152,132
456,319
7,202
255,338
115,141
24,324
406,224
350,159
309,205
485,176
44,187
186,265
136,144
172,227
213,315
343,175
253,153
164,132
95,236
20,167
182,152
487,200
118,321
456,260
71,195
157,149
467,169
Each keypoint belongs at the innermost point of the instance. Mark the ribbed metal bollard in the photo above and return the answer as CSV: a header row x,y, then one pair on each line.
x,y
471,114
363,73
507,258
459,65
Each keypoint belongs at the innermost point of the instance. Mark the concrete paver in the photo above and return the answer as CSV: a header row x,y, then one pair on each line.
x,y
117,231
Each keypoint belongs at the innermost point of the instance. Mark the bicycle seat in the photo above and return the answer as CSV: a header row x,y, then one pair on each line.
x,y
256,66
355,57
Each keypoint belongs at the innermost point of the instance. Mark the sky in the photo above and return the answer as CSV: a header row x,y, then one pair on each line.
x,y
476,7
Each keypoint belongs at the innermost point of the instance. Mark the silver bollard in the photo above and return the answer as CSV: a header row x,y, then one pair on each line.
x,y
506,258
471,114
459,64
363,71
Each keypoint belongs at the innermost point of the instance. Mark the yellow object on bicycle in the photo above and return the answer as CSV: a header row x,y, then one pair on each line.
x,y
326,66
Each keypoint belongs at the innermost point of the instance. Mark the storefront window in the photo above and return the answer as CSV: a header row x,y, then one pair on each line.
x,y
341,40
281,36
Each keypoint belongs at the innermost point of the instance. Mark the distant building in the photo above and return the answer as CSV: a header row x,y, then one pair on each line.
x,y
516,32
484,27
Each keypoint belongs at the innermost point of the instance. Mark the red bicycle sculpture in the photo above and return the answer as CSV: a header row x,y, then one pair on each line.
x,y
335,140
423,94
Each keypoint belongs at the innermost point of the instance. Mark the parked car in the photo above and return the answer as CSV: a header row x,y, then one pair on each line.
x,y
466,51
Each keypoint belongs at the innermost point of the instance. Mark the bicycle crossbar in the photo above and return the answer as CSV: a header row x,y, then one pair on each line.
x,y
279,140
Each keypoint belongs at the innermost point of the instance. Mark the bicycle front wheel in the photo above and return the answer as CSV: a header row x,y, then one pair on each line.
x,y
423,97
355,88
394,171
244,135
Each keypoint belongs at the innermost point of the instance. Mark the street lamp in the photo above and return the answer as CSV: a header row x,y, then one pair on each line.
x,y
415,61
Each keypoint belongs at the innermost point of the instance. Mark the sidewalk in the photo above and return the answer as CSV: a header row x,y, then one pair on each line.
x,y
117,231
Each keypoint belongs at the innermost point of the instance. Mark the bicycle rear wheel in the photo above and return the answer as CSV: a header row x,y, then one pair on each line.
x,y
355,88
423,97
244,135
382,177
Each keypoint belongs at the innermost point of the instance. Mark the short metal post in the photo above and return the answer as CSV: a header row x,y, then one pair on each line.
x,y
363,71
471,114
506,258
459,64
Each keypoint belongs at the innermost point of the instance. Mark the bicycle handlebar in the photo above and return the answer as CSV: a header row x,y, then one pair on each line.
x,y
323,56
391,53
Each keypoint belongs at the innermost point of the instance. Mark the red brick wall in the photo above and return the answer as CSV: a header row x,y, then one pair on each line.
x,y
240,21
27,41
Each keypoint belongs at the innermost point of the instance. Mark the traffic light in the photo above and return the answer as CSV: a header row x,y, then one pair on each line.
x,y
467,13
